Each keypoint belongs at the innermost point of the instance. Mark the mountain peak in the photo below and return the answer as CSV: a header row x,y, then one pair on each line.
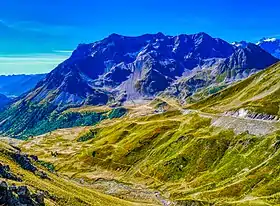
x,y
241,44
160,35
271,45
114,36
202,35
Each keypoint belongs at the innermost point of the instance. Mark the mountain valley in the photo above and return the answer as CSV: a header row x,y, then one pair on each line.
x,y
183,120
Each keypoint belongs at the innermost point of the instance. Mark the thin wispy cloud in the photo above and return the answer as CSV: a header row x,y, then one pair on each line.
x,y
32,26
29,64
30,47
63,51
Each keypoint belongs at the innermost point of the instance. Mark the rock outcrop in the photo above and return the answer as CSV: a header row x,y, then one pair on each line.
x,y
6,173
19,196
26,163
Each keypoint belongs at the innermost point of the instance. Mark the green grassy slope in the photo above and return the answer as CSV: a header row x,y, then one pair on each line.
x,y
182,156
259,93
37,119
58,190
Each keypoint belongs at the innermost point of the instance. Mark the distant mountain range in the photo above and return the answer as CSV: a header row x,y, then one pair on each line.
x,y
16,85
12,86
119,68
4,101
271,45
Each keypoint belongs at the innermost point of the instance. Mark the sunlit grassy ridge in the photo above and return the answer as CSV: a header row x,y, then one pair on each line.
x,y
59,190
259,93
183,156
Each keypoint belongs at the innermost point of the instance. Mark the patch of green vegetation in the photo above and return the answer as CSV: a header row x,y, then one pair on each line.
x,y
47,165
205,92
117,113
221,77
40,119
85,136
215,89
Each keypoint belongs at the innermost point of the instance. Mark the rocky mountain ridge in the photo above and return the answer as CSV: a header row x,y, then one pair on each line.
x,y
120,68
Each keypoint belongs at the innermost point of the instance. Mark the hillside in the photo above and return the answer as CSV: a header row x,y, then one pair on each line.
x,y
24,180
184,157
43,118
259,93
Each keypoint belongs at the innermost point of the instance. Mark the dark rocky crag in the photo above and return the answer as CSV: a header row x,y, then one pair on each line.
x,y
5,172
19,196
13,195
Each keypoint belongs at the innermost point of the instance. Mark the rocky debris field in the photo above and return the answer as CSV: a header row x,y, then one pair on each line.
x,y
240,125
251,115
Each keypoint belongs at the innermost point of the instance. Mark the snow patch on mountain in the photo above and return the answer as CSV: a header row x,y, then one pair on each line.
x,y
242,44
271,45
267,40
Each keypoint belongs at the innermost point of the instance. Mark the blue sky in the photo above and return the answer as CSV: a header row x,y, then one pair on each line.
x,y
33,34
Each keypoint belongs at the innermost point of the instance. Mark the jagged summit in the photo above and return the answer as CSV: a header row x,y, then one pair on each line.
x,y
242,44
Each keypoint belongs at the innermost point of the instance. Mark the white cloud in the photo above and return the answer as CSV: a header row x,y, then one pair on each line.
x,y
63,51
29,63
